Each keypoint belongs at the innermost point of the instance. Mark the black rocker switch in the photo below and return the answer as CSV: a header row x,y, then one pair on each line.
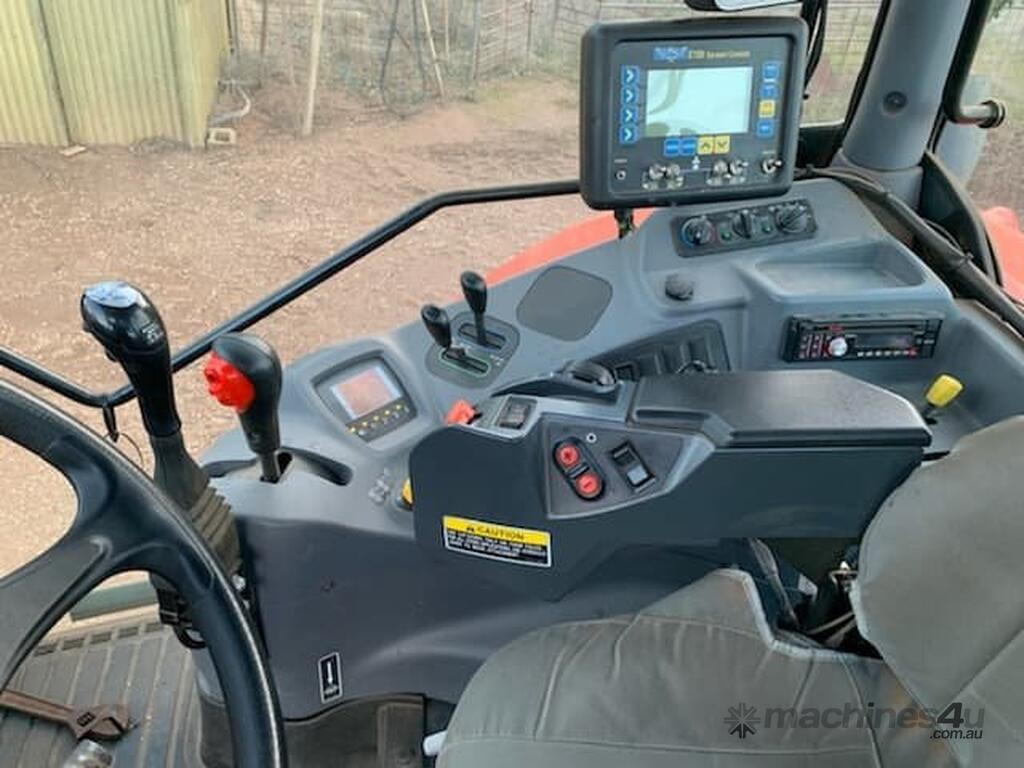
x,y
244,372
474,288
438,325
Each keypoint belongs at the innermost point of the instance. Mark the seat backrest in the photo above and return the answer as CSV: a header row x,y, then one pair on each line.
x,y
940,588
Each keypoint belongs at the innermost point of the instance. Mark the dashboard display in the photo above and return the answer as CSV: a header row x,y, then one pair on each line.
x,y
690,102
365,391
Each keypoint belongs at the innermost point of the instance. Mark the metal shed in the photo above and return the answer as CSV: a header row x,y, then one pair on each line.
x,y
109,71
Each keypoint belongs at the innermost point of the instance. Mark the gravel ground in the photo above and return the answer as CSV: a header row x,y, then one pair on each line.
x,y
205,233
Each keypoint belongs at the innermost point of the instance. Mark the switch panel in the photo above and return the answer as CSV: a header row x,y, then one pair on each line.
x,y
746,227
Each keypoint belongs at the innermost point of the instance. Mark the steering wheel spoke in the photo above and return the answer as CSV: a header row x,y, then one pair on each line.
x,y
124,523
33,599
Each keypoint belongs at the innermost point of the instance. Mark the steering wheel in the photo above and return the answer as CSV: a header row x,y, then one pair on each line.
x,y
125,523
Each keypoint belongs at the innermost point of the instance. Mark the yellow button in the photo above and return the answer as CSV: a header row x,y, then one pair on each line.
x,y
706,145
766,108
407,492
722,144
943,391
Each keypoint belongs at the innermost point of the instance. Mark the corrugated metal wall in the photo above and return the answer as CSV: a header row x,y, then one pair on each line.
x,y
127,70
30,110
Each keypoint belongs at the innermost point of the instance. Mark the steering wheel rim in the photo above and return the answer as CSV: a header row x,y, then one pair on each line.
x,y
123,523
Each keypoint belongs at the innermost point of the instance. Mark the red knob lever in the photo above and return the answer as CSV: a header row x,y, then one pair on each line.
x,y
227,384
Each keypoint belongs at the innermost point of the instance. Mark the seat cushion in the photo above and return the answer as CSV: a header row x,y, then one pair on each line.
x,y
938,589
673,686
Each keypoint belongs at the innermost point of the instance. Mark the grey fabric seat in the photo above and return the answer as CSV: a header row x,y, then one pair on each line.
x,y
938,594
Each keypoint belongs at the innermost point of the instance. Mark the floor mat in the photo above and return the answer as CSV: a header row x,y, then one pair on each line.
x,y
138,664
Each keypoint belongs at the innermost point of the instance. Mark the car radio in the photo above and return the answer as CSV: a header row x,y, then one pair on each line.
x,y
682,111
861,337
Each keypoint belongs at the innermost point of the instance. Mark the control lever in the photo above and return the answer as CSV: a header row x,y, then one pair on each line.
x,y
438,325
244,373
440,329
125,322
474,288
128,326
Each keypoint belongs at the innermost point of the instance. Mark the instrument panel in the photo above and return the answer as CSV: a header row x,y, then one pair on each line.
x,y
696,110
368,397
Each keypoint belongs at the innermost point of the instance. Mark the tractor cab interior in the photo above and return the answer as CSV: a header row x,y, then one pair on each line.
x,y
738,486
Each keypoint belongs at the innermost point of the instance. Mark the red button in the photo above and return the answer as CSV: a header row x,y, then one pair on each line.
x,y
567,455
588,485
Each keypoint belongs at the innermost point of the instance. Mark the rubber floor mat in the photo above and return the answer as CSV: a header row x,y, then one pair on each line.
x,y
139,664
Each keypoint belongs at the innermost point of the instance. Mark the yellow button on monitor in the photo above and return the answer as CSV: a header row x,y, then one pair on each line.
x,y
706,145
766,108
407,493
943,391
722,144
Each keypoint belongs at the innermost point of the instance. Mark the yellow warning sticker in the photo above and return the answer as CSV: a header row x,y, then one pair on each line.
x,y
521,546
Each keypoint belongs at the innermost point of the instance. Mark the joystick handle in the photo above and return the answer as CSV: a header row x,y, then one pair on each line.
x,y
438,325
244,372
125,322
474,288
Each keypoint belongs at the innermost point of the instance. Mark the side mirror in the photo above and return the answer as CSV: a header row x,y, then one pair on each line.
x,y
735,5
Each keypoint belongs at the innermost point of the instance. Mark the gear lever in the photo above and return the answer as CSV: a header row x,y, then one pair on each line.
x,y
438,325
244,372
474,288
125,322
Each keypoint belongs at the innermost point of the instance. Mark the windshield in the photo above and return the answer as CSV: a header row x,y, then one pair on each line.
x,y
208,205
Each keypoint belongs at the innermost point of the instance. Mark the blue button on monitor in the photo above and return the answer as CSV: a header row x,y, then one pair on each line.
x,y
688,146
770,71
630,75
672,147
765,129
628,134
628,115
629,95
770,91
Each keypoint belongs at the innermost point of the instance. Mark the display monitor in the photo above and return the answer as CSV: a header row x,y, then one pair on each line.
x,y
689,102
700,109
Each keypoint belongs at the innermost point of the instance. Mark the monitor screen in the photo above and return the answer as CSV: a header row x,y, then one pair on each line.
x,y
702,100
366,391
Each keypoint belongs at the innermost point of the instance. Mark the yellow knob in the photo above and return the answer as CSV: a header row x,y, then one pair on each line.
x,y
407,493
943,391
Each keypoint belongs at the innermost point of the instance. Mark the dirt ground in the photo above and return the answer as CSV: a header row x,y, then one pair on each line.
x,y
206,233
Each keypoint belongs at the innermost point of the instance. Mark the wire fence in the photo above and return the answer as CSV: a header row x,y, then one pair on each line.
x,y
403,53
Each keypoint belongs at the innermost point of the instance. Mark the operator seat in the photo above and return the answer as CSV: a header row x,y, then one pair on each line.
x,y
701,678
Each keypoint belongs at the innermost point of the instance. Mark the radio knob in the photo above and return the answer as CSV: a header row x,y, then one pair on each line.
x,y
792,218
838,347
698,231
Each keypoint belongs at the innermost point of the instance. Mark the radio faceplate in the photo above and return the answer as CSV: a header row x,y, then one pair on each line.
x,y
861,337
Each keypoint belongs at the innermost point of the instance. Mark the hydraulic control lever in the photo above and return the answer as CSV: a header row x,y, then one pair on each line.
x,y
244,372
439,326
578,380
474,288
126,323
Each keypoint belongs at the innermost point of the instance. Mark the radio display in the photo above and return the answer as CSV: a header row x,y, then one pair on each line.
x,y
365,391
886,340
689,102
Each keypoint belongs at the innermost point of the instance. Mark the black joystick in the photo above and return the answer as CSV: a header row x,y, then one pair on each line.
x,y
474,288
438,325
128,326
125,322
244,372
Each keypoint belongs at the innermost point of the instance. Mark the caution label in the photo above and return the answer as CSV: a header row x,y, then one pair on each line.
x,y
521,546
